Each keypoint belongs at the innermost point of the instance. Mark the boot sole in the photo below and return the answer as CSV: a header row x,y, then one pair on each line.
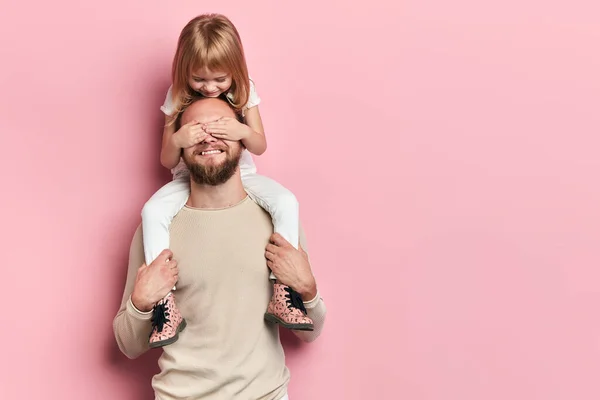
x,y
296,327
166,342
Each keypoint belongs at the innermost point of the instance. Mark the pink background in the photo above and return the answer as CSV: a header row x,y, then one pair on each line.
x,y
445,155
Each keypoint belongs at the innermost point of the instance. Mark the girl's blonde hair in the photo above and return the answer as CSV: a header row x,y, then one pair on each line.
x,y
209,41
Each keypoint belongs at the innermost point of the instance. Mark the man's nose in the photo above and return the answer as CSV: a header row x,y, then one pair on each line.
x,y
210,139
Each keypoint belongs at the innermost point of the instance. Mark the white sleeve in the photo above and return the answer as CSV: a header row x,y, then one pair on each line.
x,y
167,106
253,99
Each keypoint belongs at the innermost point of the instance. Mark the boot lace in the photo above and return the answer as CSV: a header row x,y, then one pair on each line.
x,y
160,316
294,300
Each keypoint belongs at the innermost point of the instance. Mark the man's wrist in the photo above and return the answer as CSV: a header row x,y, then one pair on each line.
x,y
309,291
139,304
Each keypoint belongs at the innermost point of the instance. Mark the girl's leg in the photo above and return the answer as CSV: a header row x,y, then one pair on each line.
x,y
278,201
157,214
286,306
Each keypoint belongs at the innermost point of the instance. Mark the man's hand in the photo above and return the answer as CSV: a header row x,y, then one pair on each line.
x,y
189,135
153,282
228,128
291,266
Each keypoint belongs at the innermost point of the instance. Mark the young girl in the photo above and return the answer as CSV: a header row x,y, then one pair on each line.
x,y
210,62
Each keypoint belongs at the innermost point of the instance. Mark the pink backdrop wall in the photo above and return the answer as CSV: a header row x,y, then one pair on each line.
x,y
445,155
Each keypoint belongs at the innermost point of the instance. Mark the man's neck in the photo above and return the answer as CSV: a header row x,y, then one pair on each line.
x,y
225,195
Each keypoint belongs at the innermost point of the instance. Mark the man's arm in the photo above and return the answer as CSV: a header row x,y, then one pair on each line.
x,y
131,326
315,306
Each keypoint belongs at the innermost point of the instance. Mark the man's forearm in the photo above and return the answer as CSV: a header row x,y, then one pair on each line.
x,y
132,328
316,311
132,325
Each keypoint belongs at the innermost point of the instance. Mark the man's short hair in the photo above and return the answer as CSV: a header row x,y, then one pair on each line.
x,y
238,114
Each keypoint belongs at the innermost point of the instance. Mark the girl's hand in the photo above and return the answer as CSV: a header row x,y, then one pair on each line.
x,y
189,135
228,128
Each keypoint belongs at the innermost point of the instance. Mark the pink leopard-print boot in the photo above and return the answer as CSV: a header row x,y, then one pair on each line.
x,y
287,309
167,322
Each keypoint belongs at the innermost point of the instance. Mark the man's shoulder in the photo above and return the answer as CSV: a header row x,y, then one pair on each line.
x,y
136,248
252,213
137,236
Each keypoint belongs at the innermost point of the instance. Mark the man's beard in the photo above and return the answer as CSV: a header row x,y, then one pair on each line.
x,y
215,175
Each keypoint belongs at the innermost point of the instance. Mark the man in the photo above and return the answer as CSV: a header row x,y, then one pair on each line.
x,y
222,242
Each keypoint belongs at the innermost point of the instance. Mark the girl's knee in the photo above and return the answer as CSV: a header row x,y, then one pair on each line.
x,y
287,203
151,210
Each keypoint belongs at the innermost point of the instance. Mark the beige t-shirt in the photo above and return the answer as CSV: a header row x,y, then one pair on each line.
x,y
227,351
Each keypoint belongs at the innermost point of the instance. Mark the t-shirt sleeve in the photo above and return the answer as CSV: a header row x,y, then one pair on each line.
x,y
315,308
132,327
253,99
167,107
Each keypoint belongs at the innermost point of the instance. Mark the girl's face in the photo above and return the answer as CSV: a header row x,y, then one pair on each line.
x,y
210,83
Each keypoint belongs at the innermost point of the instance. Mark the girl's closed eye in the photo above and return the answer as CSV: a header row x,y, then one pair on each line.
x,y
210,83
